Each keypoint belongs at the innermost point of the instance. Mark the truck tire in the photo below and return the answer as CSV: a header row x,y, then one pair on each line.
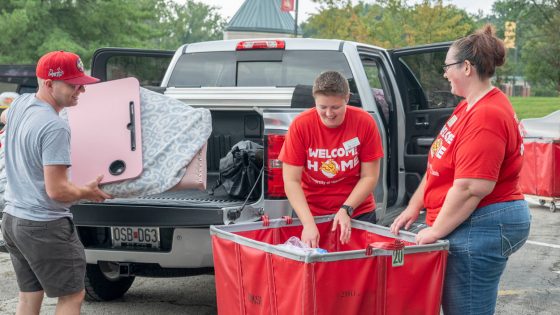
x,y
102,286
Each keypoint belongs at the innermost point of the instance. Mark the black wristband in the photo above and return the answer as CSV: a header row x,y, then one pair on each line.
x,y
349,209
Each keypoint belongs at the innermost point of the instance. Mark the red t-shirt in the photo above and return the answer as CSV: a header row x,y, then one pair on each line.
x,y
331,157
484,143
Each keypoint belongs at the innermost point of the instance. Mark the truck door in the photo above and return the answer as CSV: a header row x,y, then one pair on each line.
x,y
148,66
427,102
376,97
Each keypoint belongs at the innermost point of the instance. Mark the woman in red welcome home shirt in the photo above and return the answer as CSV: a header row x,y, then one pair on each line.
x,y
331,160
470,190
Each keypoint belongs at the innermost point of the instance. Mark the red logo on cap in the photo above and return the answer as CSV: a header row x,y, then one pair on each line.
x,y
80,65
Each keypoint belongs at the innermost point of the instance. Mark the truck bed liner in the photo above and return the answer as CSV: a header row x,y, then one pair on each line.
x,y
182,198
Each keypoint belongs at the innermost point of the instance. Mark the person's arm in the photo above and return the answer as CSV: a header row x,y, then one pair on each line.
x,y
410,214
461,200
59,188
292,185
369,174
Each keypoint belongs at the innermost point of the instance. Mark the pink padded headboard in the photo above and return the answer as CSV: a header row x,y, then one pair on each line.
x,y
106,132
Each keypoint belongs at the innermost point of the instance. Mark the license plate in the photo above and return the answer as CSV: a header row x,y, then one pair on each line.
x,y
135,237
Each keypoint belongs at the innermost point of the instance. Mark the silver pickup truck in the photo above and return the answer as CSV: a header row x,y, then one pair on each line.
x,y
254,88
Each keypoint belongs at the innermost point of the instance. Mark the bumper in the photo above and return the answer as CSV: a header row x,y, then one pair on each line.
x,y
191,248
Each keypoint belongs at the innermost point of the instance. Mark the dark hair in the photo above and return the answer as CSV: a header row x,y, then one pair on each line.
x,y
331,83
482,49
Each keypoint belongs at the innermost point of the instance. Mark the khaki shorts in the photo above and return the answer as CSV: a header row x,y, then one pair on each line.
x,y
46,255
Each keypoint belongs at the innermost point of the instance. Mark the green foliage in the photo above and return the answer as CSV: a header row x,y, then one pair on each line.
x,y
533,107
542,64
339,20
31,28
389,23
544,89
189,23
537,52
433,22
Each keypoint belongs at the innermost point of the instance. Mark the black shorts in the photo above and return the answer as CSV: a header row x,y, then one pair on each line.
x,y
46,255
370,217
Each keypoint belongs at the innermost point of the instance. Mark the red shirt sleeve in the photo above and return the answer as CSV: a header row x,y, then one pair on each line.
x,y
372,148
293,149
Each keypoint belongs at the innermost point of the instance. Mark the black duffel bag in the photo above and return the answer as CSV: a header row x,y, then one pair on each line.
x,y
240,170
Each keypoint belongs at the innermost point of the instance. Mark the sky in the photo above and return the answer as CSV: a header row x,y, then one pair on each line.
x,y
307,7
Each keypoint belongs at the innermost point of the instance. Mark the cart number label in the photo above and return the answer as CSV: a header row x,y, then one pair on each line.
x,y
398,257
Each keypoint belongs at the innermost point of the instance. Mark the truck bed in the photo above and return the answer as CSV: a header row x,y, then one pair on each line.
x,y
185,198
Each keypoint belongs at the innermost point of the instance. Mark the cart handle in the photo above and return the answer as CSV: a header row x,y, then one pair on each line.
x,y
266,220
396,245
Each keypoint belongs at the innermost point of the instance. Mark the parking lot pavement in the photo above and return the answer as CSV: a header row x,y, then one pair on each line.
x,y
531,282
530,285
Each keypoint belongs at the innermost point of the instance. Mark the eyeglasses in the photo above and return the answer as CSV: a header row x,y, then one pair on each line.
x,y
446,66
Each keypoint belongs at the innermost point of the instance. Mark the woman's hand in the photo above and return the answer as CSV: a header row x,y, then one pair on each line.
x,y
405,219
341,218
427,236
310,235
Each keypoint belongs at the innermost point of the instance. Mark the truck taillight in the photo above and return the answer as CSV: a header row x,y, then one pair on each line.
x,y
274,182
260,44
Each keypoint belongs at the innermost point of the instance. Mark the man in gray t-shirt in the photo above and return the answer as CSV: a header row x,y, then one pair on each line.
x,y
45,250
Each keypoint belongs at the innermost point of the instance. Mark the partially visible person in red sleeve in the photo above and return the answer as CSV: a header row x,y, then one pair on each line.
x,y
471,188
331,159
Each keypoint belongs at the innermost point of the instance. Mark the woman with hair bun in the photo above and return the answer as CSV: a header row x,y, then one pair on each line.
x,y
471,188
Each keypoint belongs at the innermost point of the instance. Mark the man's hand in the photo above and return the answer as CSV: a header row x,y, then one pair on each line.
x,y
310,235
405,219
94,193
343,220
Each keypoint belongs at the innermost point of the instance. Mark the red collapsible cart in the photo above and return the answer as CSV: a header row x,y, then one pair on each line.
x,y
375,273
540,175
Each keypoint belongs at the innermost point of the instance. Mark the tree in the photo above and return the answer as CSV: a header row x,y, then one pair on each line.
x,y
541,50
389,23
338,20
522,14
189,23
537,44
31,28
432,22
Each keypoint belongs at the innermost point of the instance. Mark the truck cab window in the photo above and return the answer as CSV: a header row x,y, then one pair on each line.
x,y
229,69
376,78
427,88
148,70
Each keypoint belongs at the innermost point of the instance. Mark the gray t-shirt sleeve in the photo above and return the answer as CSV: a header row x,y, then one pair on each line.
x,y
56,147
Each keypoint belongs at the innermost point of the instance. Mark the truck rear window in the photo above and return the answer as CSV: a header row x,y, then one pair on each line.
x,y
228,68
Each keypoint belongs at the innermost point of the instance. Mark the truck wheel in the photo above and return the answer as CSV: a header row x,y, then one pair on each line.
x,y
552,207
103,282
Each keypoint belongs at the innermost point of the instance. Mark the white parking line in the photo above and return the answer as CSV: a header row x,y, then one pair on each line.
x,y
527,291
543,244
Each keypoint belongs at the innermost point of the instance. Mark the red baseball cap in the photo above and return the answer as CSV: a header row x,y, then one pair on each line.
x,y
63,66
